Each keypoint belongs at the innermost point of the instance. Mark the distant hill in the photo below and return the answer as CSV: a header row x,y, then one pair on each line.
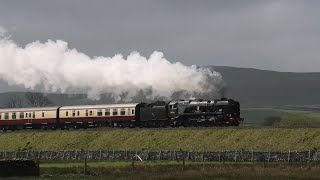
x,y
261,88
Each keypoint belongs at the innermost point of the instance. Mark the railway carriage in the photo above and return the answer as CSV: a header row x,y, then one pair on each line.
x,y
28,118
114,115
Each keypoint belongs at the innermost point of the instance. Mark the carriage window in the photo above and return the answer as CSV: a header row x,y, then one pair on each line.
x,y
0,116
87,114
122,112
29,115
132,111
42,114
73,113
33,115
115,112
107,112
100,112
67,113
90,113
78,113
21,115
6,115
14,116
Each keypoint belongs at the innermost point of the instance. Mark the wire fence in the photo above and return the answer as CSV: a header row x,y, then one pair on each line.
x,y
235,156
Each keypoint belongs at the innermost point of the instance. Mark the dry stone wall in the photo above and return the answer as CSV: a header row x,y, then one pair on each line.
x,y
291,156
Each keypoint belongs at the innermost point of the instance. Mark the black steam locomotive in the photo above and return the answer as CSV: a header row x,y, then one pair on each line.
x,y
188,113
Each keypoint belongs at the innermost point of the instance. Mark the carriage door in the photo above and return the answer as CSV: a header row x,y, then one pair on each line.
x,y
29,120
29,117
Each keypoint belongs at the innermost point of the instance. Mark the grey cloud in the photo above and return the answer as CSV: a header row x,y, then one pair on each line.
x,y
277,34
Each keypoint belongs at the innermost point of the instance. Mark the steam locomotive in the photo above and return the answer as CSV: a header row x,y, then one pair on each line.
x,y
187,113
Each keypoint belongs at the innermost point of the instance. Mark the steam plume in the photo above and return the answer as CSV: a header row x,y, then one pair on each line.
x,y
54,67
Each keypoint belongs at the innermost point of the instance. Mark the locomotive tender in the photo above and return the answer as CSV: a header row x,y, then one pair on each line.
x,y
221,112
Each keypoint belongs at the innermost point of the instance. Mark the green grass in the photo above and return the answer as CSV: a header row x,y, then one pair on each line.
x,y
299,119
258,115
175,170
268,139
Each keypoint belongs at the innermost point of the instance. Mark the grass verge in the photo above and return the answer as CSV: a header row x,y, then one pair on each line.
x,y
268,139
175,170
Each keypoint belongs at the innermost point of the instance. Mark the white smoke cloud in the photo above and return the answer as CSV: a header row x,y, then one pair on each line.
x,y
54,67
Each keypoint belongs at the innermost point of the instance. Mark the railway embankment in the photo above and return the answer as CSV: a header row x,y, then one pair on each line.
x,y
211,139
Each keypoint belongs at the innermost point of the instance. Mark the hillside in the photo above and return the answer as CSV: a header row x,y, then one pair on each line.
x,y
268,139
253,87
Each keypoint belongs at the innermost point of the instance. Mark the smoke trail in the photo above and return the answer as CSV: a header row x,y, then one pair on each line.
x,y
54,67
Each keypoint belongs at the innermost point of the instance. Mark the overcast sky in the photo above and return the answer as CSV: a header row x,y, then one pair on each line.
x,y
282,35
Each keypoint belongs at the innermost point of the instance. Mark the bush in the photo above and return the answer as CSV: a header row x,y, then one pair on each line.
x,y
271,120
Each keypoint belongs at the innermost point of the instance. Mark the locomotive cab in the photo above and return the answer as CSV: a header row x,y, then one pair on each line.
x,y
227,111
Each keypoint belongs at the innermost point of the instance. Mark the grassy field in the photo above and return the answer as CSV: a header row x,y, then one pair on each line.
x,y
176,170
269,139
291,117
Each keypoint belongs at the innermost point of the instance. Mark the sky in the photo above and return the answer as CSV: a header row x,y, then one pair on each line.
x,y
280,35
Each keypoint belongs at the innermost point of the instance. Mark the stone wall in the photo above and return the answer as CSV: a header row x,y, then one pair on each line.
x,y
292,156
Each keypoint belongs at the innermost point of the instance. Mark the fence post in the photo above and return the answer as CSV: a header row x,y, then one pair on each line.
x,y
136,155
159,155
269,156
147,155
126,154
38,163
223,157
85,166
183,163
100,155
289,154
75,154
188,155
63,155
219,155
132,164
235,156
38,166
39,155
252,155
202,156
309,158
